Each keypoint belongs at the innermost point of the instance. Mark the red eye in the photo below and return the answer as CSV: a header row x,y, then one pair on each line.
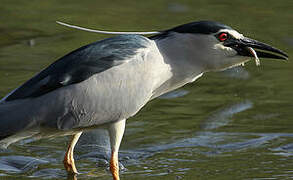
x,y
223,37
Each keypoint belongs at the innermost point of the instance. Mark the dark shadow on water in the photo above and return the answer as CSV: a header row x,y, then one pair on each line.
x,y
19,164
71,177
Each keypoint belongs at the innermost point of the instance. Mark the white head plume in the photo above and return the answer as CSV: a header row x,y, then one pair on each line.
x,y
105,32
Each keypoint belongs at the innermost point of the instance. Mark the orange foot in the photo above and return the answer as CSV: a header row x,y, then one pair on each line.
x,y
69,165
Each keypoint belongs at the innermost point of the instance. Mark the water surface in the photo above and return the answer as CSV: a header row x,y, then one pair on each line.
x,y
235,124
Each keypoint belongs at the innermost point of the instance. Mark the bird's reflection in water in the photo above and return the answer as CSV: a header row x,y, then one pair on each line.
x,y
97,141
95,145
71,177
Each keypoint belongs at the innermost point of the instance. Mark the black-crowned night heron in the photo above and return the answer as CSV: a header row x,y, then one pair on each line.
x,y
104,83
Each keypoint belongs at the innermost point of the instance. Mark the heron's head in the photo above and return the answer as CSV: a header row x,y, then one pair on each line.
x,y
217,46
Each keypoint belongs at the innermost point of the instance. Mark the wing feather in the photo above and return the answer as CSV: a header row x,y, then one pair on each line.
x,y
81,64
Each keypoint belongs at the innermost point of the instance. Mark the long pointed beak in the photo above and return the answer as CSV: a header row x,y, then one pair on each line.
x,y
262,50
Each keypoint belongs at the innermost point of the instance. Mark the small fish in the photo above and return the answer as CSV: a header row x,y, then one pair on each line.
x,y
252,51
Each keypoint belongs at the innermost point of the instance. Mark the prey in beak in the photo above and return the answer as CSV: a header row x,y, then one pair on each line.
x,y
253,48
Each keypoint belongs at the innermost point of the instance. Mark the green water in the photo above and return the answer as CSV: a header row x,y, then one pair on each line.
x,y
236,124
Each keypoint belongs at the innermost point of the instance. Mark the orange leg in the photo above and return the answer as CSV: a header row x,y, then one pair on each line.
x,y
116,131
114,166
68,159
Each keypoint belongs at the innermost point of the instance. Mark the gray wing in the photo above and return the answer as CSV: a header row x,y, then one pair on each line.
x,y
81,64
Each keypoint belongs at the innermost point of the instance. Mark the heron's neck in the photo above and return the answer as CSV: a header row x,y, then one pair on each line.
x,y
180,56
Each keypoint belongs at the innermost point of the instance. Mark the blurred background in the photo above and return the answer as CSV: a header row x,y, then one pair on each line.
x,y
236,124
